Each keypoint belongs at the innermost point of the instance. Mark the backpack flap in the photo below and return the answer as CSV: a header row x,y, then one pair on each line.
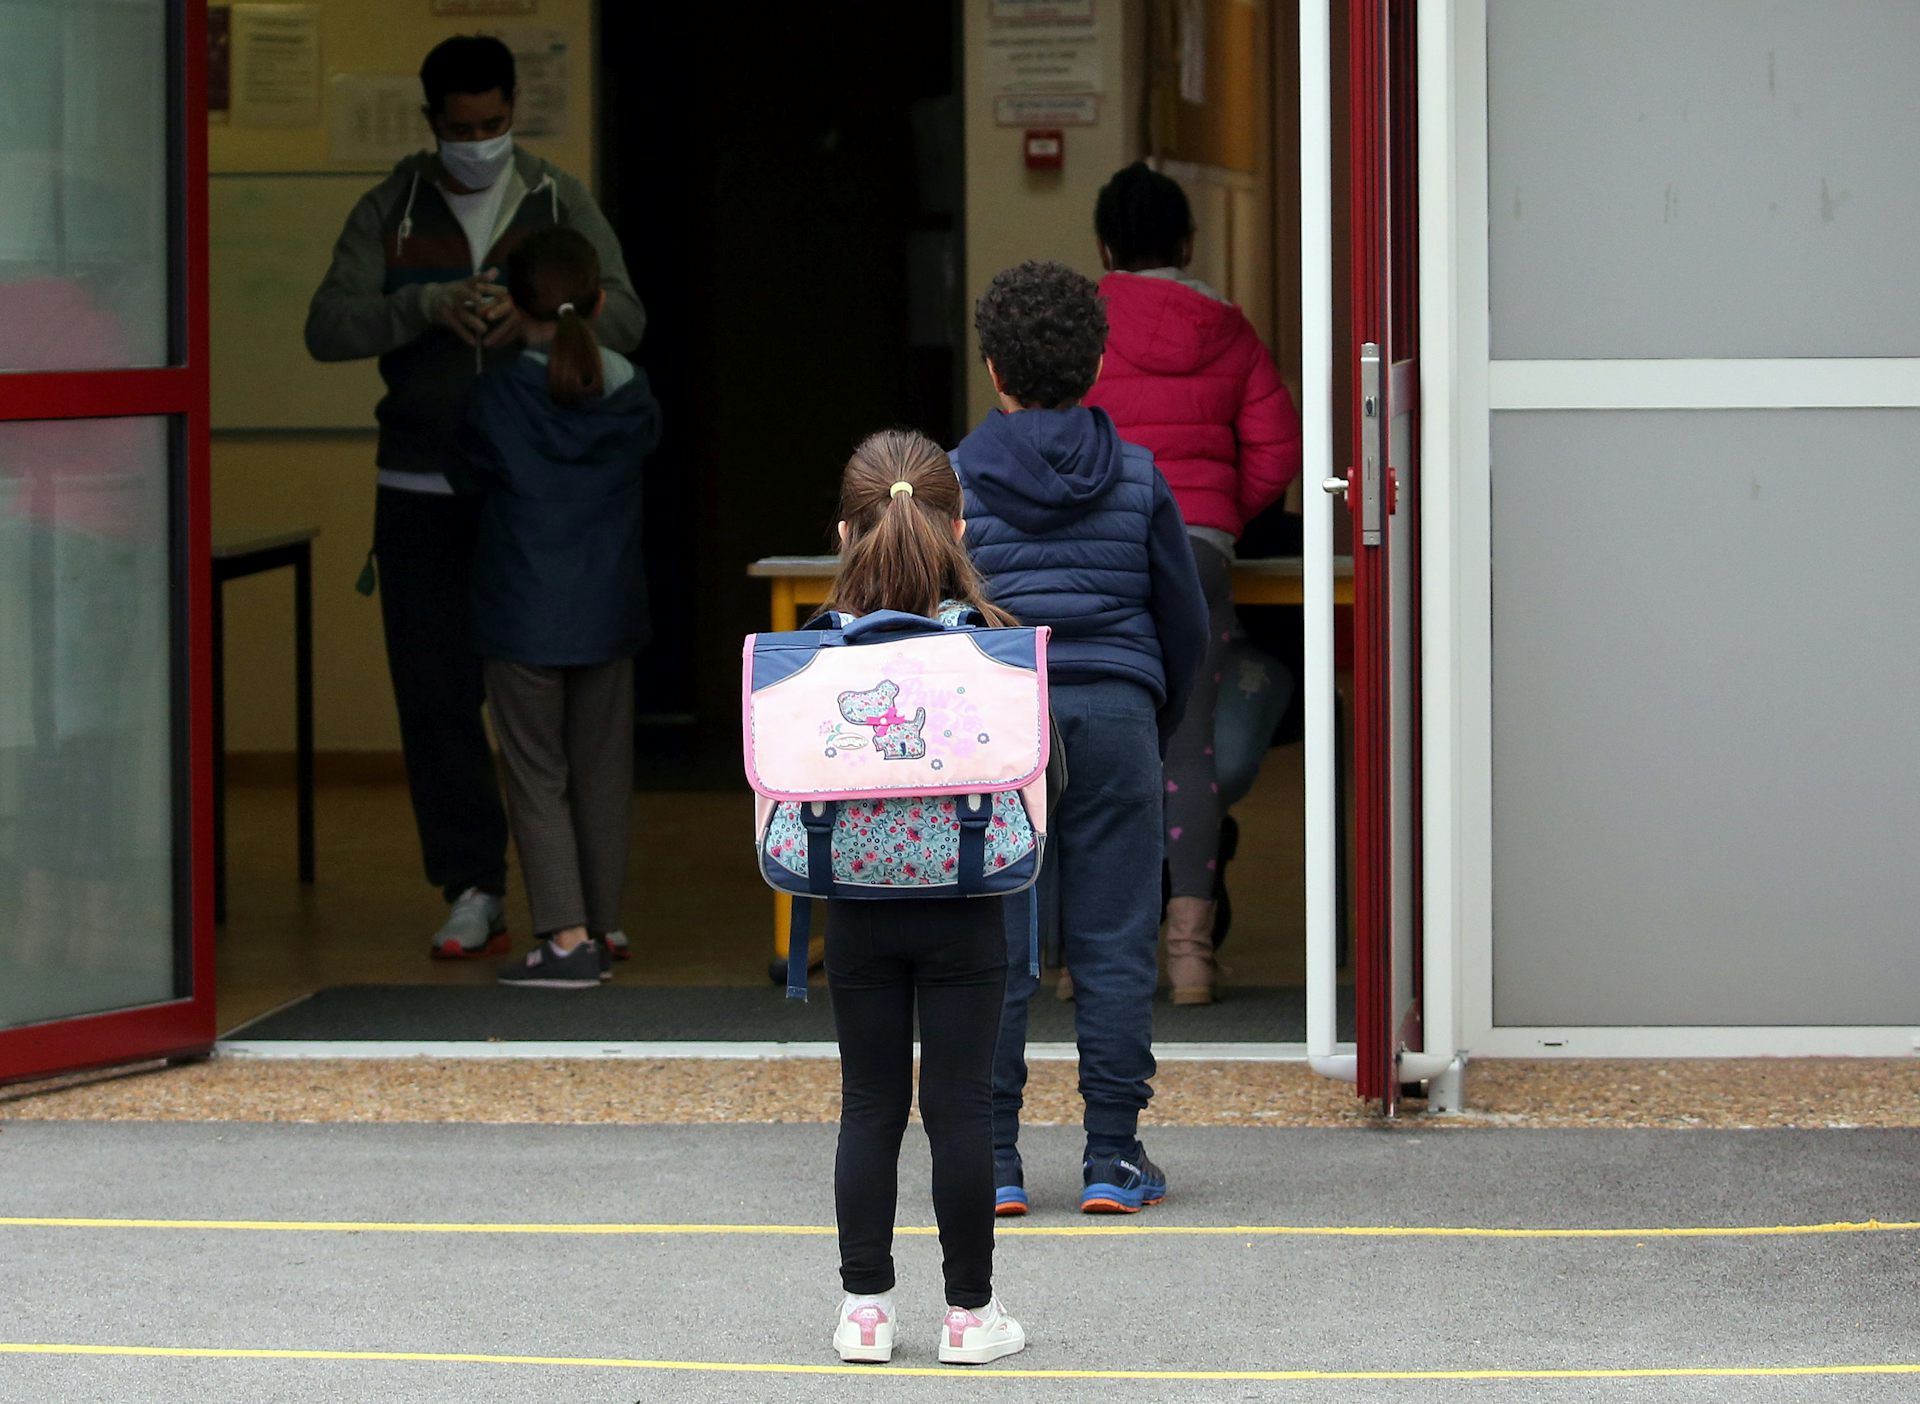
x,y
895,710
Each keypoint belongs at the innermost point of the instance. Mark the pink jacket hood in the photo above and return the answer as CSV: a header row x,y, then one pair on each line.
x,y
1187,377
1172,327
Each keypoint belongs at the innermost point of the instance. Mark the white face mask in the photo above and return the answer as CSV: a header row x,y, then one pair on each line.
x,y
477,164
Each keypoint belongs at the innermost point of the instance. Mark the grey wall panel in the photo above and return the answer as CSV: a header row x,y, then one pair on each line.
x,y
1703,178
1706,717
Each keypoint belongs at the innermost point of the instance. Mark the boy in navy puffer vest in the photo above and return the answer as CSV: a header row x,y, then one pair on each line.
x,y
1076,530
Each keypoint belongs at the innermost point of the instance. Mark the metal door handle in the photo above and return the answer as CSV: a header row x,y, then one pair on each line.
x,y
1334,485
1374,418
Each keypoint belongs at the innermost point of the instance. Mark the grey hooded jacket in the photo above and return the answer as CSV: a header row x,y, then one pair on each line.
x,y
402,237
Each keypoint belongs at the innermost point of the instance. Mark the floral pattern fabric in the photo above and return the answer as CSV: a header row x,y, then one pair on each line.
x,y
912,842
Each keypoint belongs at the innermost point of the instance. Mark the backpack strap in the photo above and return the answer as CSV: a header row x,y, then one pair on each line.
x,y
819,826
1033,931
975,813
799,948
818,818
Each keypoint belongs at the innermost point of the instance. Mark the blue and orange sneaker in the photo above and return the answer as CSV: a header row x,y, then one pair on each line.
x,y
1121,1184
1009,1186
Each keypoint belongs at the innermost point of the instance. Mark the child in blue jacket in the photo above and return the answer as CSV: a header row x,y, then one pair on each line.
x,y
555,439
1074,529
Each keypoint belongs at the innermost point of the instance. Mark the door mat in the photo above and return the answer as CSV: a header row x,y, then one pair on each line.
x,y
623,1013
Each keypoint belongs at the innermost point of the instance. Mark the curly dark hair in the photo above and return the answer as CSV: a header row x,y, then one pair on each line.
x,y
1044,328
1143,218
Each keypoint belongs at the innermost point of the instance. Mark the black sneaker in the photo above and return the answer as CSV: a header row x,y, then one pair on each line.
x,y
1121,1184
546,967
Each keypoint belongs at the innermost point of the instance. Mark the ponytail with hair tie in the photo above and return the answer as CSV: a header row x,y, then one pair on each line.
x,y
557,267
906,558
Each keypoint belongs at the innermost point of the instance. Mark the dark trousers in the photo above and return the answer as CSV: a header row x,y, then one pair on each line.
x,y
950,957
1102,876
566,735
424,544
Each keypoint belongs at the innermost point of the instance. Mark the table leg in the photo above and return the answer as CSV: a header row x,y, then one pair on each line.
x,y
217,628
303,703
786,611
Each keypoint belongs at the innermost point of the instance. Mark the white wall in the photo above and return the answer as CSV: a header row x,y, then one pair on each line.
x,y
1013,214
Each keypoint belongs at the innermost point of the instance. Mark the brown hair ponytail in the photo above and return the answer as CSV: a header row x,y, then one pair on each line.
x,y
900,499
554,276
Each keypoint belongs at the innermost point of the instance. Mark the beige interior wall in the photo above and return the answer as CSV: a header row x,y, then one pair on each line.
x,y
276,481
1013,214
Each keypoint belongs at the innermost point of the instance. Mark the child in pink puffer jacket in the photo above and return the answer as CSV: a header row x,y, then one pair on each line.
x,y
1187,377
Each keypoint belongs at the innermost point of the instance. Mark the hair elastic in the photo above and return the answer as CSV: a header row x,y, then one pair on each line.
x,y
900,487
565,308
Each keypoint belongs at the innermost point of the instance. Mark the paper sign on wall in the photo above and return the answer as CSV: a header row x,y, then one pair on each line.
x,y
276,65
540,63
484,7
1043,58
1046,110
1035,11
375,117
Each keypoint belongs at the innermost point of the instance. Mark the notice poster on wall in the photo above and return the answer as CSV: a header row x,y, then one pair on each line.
x,y
1036,11
1046,110
276,65
485,7
1044,72
1043,58
540,63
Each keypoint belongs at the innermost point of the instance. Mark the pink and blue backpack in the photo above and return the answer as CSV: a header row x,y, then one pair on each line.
x,y
894,755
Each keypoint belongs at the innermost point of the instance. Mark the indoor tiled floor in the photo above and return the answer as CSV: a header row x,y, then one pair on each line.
x,y
696,911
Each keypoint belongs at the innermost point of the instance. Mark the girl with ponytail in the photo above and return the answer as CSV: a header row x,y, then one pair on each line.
x,y
900,531
554,441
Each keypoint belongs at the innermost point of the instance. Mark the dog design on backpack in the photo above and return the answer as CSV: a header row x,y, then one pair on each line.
x,y
894,736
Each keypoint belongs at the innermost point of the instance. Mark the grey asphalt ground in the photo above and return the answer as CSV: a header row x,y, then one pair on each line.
x,y
1141,1303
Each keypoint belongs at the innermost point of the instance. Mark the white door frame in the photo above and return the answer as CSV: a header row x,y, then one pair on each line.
x,y
1461,388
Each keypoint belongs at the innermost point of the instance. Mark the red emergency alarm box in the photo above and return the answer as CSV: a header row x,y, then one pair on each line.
x,y
1046,150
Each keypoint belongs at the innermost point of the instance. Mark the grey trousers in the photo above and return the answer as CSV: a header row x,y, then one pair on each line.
x,y
566,735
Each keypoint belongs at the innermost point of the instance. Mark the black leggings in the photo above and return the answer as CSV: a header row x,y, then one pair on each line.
x,y
952,955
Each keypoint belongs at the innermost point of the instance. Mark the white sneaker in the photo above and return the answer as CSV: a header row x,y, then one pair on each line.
x,y
865,1331
976,1337
476,928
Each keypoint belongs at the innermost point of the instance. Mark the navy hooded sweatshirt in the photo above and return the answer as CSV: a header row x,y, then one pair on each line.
x,y
1075,529
557,574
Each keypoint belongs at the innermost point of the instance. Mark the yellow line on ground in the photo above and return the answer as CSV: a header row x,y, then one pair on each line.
x,y
724,1367
1123,1229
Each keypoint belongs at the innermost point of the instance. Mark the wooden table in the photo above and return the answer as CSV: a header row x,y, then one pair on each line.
x,y
799,583
235,555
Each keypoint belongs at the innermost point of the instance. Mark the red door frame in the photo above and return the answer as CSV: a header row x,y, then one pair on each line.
x,y
182,1027
1384,297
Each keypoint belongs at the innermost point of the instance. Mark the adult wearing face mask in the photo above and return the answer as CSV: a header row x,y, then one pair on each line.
x,y
415,281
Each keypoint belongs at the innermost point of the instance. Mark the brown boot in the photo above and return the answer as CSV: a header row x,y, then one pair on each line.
x,y
1190,965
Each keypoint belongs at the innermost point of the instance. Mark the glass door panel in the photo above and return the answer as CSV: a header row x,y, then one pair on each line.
x,y
87,795
105,944
85,263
